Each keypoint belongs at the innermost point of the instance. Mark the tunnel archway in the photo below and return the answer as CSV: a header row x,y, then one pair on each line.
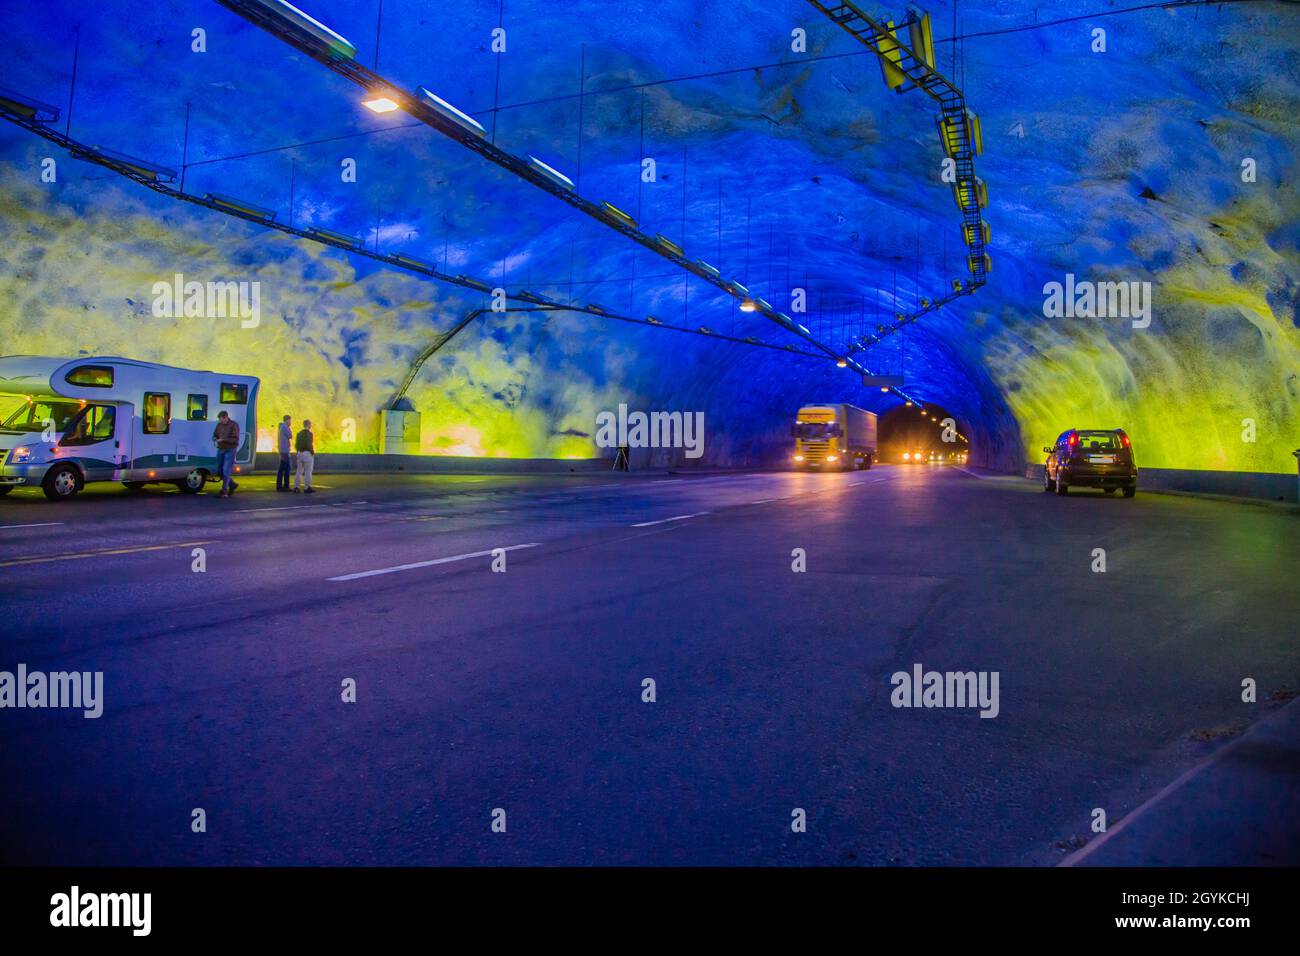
x,y
916,433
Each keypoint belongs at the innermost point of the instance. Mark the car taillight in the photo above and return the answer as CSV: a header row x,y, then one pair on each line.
x,y
1124,439
1074,439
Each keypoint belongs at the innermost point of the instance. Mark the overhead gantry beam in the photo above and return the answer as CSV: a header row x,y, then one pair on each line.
x,y
160,179
328,48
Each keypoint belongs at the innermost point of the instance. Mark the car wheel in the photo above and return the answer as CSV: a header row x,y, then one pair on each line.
x,y
1130,491
866,463
1061,487
192,483
61,483
1047,481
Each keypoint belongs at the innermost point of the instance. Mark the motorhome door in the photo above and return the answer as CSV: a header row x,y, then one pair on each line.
x,y
95,436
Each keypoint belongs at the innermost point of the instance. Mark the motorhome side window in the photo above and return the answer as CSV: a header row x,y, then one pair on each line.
x,y
157,413
92,376
95,423
197,410
234,394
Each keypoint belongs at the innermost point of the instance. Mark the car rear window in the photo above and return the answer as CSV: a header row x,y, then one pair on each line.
x,y
1100,441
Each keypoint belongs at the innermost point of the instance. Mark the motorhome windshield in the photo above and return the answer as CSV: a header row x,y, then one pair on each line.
x,y
815,430
33,416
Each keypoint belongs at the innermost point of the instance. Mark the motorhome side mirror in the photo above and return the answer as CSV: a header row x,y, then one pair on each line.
x,y
1047,449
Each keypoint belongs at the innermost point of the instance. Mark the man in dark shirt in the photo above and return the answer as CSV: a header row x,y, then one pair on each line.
x,y
226,437
305,445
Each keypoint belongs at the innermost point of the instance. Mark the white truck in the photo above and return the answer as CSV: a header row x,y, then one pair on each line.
x,y
834,437
79,420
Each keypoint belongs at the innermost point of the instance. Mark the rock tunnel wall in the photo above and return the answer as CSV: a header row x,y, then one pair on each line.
x,y
1169,159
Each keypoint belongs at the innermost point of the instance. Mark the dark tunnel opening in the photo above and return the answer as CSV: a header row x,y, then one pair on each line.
x,y
923,432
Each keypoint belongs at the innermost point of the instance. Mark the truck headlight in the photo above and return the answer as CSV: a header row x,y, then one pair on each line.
x,y
832,458
20,455
798,457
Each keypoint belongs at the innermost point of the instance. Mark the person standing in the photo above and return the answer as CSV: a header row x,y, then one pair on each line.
x,y
305,445
284,446
226,437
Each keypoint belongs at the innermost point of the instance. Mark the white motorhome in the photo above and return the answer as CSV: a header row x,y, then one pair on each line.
x,y
116,419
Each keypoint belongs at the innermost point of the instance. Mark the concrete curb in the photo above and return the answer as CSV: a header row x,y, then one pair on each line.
x,y
1253,733
1226,485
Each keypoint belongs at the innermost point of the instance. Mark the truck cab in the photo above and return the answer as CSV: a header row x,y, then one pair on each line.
x,y
834,438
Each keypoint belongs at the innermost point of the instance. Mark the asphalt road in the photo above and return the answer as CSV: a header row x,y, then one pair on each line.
x,y
522,690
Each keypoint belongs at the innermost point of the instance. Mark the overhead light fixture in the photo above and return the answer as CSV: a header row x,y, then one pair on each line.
x,y
748,306
554,175
335,238
919,33
969,231
891,57
613,212
131,164
841,363
909,404
338,47
411,262
239,207
668,244
28,108
444,109
970,194
884,388
380,104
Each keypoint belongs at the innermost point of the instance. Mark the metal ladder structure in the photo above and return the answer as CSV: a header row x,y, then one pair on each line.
x,y
908,67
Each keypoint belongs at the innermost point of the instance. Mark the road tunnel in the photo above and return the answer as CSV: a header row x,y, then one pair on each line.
x,y
552,283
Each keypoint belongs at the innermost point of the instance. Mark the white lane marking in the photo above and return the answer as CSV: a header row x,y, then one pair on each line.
x,y
648,524
428,564
666,481
246,511
762,501
42,524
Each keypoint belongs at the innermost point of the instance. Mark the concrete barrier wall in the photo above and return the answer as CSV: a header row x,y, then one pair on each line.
x,y
327,463
1237,484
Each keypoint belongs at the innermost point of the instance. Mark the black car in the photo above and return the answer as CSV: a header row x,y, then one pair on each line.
x,y
1091,458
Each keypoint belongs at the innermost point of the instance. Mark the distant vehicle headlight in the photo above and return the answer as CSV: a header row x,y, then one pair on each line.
x,y
20,455
832,458
907,456
798,457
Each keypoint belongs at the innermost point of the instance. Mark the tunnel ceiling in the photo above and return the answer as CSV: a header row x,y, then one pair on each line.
x,y
1167,158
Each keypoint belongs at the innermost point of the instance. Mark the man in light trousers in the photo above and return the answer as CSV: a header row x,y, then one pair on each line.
x,y
305,445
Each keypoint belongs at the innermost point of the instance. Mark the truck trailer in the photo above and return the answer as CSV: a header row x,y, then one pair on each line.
x,y
834,438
